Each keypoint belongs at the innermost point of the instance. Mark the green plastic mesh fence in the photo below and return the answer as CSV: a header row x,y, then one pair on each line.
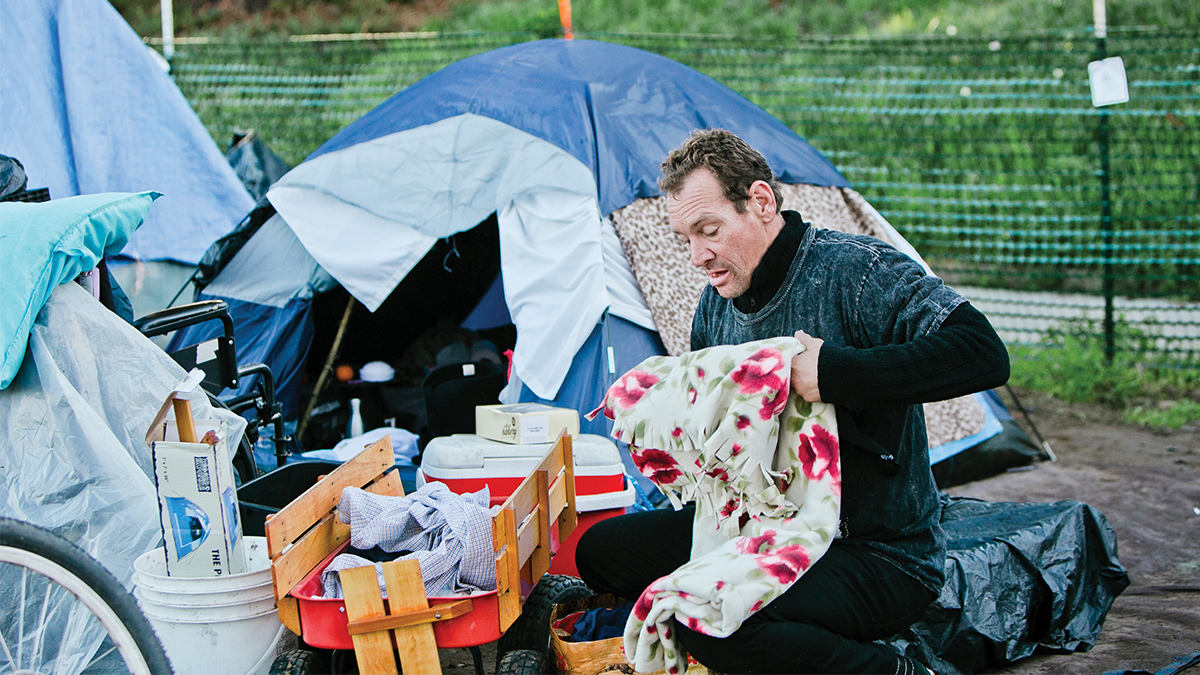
x,y
986,153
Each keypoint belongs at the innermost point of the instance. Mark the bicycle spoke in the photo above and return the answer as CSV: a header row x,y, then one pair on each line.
x,y
41,635
7,652
21,620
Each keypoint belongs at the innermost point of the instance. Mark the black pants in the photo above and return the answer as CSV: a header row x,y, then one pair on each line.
x,y
825,623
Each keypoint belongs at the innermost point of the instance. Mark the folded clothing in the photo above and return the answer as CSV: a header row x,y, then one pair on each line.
x,y
449,534
600,623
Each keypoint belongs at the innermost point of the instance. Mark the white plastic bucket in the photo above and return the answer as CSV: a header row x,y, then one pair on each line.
x,y
151,567
211,625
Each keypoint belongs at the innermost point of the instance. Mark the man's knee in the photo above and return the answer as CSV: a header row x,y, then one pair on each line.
x,y
593,556
625,554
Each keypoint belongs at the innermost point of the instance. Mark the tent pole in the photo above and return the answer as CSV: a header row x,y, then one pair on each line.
x,y
1029,420
564,16
329,361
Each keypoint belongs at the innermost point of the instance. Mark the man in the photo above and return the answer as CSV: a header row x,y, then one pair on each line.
x,y
882,337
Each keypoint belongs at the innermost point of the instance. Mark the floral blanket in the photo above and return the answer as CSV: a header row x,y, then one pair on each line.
x,y
718,427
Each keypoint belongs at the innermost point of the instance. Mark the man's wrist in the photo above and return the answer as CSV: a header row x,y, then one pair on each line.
x,y
836,373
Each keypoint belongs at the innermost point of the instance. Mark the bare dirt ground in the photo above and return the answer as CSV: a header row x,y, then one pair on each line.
x,y
1147,484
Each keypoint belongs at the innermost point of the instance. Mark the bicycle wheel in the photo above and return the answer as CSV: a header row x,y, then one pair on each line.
x,y
62,612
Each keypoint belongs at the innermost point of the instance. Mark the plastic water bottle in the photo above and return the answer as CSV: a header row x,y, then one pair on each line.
x,y
355,428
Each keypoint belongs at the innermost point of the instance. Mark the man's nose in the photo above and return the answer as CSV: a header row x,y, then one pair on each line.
x,y
700,254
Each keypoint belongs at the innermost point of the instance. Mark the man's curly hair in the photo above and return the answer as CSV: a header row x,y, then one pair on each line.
x,y
732,161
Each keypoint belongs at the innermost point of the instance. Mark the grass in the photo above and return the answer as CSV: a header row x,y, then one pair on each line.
x,y
767,18
784,18
1071,366
949,179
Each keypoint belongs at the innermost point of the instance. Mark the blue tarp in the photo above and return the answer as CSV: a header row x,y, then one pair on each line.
x,y
616,109
87,109
276,336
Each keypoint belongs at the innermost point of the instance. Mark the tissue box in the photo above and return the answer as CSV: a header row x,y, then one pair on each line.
x,y
524,423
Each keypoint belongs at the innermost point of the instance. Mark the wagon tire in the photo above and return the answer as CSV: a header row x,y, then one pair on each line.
x,y
301,662
522,662
531,630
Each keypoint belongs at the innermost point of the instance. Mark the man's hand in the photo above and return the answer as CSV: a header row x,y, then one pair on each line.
x,y
804,368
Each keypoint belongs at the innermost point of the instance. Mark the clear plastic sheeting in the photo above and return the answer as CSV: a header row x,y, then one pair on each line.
x,y
1019,577
73,457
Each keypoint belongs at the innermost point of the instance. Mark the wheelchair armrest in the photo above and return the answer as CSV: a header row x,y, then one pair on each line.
x,y
173,318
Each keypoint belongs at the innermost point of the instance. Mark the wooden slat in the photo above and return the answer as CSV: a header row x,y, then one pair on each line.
x,y
539,557
288,569
293,565
568,518
432,614
289,613
508,579
552,463
558,497
406,593
296,518
363,601
523,500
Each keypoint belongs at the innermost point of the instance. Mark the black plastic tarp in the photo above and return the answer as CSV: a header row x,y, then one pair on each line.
x,y
255,164
12,176
1018,577
258,168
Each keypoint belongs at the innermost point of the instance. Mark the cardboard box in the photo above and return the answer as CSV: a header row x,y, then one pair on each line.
x,y
197,497
524,423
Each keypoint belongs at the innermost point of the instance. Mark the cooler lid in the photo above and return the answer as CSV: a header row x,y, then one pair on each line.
x,y
468,451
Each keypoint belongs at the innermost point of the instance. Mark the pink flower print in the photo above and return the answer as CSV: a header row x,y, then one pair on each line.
x,y
757,545
691,395
773,406
729,508
786,564
742,422
641,608
719,473
699,373
657,465
785,481
737,450
760,371
630,389
758,604
720,584
819,454
677,433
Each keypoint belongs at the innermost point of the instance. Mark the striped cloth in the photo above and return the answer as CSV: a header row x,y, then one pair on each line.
x,y
449,534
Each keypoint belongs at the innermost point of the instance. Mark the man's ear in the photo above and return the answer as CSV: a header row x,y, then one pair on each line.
x,y
762,200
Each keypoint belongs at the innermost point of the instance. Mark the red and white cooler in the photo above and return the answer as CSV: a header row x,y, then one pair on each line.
x,y
467,463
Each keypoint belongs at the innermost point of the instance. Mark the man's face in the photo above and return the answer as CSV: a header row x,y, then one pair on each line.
x,y
728,245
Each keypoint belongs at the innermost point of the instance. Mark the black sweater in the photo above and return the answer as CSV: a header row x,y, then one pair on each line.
x,y
935,367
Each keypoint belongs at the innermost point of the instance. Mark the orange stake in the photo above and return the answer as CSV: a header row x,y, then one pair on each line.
x,y
564,15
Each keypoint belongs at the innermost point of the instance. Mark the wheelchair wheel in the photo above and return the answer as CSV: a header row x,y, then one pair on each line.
x,y
62,612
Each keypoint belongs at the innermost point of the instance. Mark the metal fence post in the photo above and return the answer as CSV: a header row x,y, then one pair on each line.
x,y
1106,224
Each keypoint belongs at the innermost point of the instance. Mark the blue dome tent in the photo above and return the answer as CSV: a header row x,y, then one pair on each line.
x,y
541,142
88,108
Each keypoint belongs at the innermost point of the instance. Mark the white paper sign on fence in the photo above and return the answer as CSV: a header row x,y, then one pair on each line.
x,y
1108,81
